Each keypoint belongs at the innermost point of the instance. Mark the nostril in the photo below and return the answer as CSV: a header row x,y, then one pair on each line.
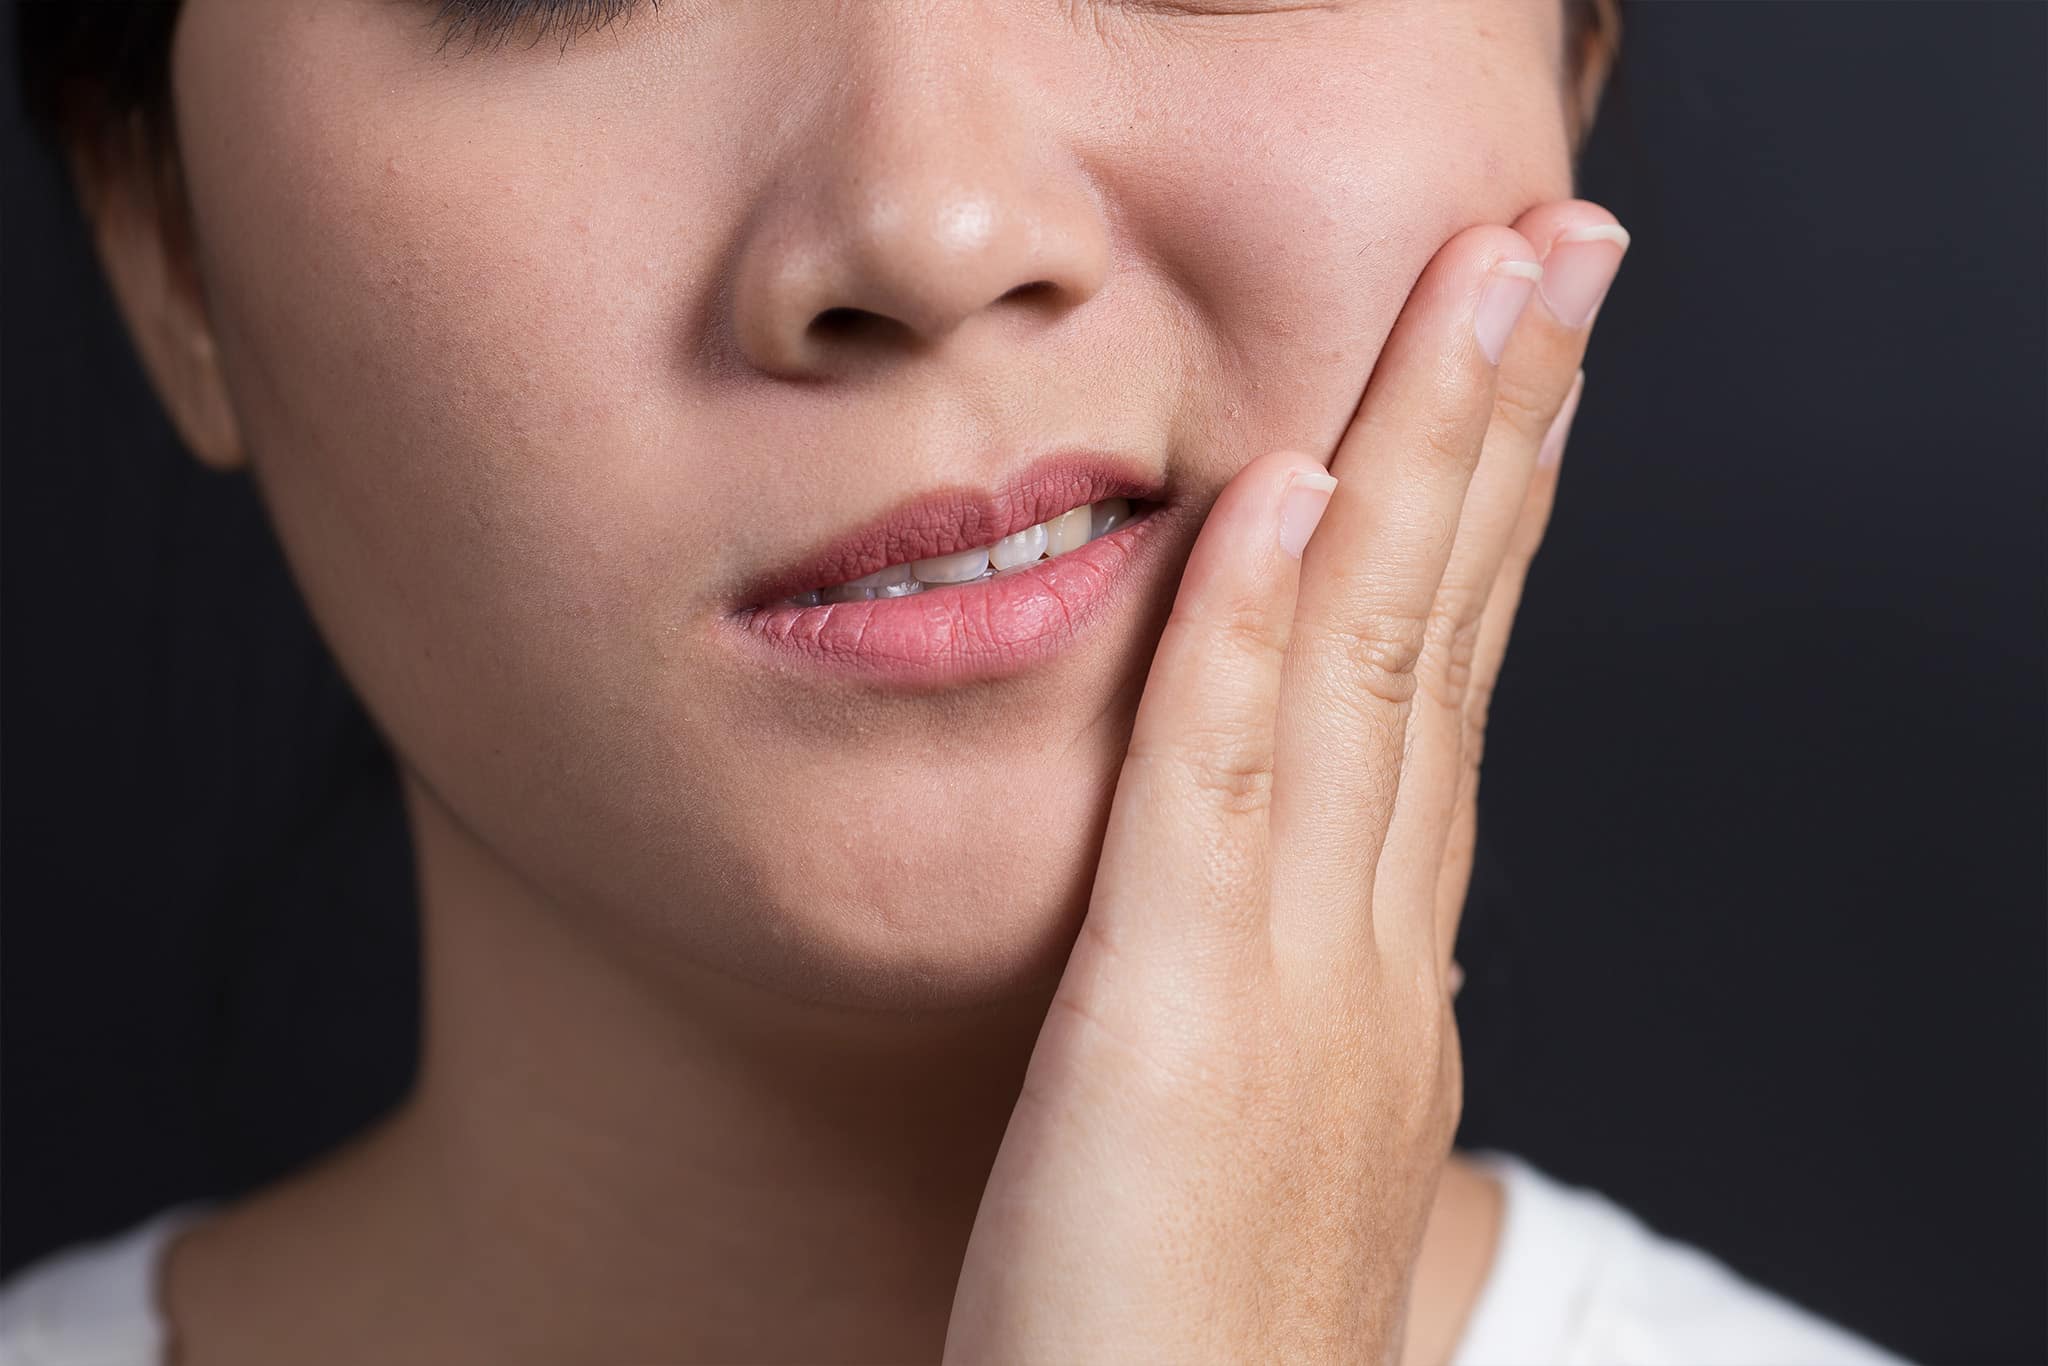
x,y
843,322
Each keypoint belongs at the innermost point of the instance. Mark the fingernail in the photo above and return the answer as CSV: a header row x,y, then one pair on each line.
x,y
1580,266
1507,292
1560,426
1302,505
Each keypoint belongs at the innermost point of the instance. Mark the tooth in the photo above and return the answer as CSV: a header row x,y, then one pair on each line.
x,y
895,576
1068,531
1019,548
910,584
956,568
845,592
810,599
1109,514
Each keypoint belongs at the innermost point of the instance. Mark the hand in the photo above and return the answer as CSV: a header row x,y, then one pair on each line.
x,y
1231,1129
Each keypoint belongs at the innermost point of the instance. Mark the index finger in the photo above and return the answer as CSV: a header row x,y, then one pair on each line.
x,y
1188,825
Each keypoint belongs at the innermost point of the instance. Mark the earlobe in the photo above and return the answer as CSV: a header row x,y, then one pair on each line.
x,y
145,249
205,418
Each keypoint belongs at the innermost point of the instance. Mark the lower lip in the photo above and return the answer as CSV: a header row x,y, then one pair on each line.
x,y
959,633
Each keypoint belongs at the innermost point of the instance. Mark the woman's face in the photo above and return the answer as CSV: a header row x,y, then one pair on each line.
x,y
526,348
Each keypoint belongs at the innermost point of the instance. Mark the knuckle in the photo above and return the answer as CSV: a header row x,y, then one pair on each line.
x,y
1448,439
1249,628
1220,767
1524,407
1379,654
1451,641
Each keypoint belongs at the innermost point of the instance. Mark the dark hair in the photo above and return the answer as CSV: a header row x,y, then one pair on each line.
x,y
87,68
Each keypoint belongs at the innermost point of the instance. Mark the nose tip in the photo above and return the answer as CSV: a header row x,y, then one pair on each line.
x,y
891,252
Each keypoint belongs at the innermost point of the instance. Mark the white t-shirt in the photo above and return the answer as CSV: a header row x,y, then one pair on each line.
x,y
1576,1281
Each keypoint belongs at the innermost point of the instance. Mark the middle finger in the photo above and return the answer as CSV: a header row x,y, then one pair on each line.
x,y
1369,582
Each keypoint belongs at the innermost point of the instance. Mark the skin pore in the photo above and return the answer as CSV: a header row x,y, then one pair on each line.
x,y
732,973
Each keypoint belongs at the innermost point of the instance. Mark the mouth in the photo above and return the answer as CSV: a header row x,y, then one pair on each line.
x,y
964,583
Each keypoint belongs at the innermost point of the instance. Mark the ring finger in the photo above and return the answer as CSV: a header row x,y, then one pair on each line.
x,y
1582,248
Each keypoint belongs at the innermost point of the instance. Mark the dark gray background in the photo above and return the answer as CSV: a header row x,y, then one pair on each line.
x,y
1757,942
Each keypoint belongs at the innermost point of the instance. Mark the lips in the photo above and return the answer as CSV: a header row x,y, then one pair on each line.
x,y
952,520
958,632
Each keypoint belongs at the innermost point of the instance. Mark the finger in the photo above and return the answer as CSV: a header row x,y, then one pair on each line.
x,y
1582,249
1495,624
1368,584
1188,825
1537,368
1498,619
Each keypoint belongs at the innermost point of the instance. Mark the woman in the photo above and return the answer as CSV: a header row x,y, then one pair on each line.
x,y
934,572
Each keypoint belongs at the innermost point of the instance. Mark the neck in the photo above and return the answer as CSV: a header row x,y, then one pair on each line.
x,y
629,1157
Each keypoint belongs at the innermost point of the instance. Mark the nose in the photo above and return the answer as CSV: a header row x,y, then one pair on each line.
x,y
920,199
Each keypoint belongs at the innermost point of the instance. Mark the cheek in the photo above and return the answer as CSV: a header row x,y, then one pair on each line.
x,y
1297,222
450,382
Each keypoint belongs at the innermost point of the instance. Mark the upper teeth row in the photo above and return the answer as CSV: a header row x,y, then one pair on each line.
x,y
1070,530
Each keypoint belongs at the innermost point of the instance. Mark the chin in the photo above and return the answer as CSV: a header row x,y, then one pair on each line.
x,y
913,898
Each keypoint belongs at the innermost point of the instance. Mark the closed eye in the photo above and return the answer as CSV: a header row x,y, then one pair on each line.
x,y
488,23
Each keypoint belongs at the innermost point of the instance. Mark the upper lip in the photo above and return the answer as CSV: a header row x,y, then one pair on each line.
x,y
943,521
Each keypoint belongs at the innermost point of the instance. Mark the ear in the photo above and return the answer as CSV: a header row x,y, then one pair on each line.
x,y
1593,37
133,197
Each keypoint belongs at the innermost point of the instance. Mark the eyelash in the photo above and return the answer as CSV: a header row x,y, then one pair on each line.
x,y
488,23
